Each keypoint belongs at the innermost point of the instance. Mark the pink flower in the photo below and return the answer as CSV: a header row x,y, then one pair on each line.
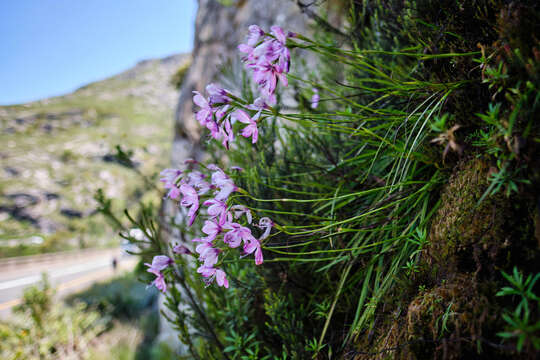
x,y
225,185
170,177
216,208
279,49
221,278
225,190
237,234
218,175
181,249
217,95
262,103
315,99
269,59
159,262
159,282
207,253
206,271
251,129
190,199
212,273
254,246
215,130
196,179
227,133
204,115
211,229
190,161
255,33
267,75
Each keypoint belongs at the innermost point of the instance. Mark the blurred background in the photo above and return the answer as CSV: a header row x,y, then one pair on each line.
x,y
88,92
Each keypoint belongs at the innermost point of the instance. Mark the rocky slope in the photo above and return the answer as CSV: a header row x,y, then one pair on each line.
x,y
57,152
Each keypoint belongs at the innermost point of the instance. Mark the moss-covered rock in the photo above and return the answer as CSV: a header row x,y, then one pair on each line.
x,y
463,227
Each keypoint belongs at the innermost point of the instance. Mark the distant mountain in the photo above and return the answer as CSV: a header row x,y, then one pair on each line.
x,y
57,152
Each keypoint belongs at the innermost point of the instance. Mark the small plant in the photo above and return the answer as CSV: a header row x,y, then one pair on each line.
x,y
520,324
418,240
506,179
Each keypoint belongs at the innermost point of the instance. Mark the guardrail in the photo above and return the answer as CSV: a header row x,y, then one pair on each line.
x,y
49,257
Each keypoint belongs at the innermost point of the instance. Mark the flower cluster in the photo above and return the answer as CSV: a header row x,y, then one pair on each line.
x,y
269,58
217,115
221,222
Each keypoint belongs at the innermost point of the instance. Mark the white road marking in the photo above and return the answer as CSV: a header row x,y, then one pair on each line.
x,y
27,280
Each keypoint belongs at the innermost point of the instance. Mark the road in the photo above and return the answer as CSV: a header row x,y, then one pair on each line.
x,y
67,272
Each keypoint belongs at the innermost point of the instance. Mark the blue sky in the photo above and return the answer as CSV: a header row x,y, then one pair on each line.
x,y
52,47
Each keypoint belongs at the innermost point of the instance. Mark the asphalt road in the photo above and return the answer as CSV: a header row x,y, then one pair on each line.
x,y
67,273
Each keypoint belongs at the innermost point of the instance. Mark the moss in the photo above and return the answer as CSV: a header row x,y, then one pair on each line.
x,y
482,238
452,316
462,228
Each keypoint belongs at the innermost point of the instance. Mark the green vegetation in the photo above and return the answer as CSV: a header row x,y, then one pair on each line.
x,y
117,319
52,331
57,152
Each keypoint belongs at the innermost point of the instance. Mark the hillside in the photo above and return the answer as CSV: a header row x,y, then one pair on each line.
x,y
59,151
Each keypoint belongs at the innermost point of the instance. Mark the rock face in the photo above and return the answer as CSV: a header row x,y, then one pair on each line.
x,y
218,31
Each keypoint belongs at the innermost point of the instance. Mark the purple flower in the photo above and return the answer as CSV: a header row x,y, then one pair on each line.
x,y
190,199
215,130
237,168
255,33
225,190
217,95
279,49
206,271
251,129
204,115
239,210
221,278
181,249
196,179
315,99
190,161
207,253
227,133
169,179
236,235
225,185
218,176
269,59
216,208
267,75
262,103
159,282
159,262
254,246
246,49
211,229
212,273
